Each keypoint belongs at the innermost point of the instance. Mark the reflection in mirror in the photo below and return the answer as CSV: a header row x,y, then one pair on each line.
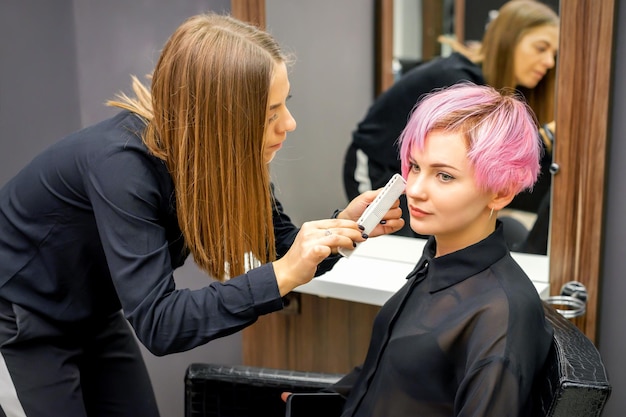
x,y
517,50
417,27
577,199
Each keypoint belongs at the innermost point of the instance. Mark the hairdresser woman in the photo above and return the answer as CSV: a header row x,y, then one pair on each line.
x,y
93,228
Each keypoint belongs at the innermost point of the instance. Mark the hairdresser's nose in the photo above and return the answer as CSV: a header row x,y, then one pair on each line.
x,y
289,123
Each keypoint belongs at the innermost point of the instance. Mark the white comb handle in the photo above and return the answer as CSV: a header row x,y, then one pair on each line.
x,y
374,213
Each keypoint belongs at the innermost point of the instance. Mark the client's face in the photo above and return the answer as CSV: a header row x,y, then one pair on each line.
x,y
442,195
535,55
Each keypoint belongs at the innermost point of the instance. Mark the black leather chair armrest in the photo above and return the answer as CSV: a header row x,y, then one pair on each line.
x,y
245,391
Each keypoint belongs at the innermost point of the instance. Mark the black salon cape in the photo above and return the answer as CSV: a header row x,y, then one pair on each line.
x,y
90,226
466,336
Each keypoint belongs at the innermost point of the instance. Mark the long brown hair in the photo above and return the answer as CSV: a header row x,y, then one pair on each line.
x,y
498,47
206,115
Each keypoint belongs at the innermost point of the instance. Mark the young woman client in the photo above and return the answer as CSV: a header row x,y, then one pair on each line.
x,y
466,335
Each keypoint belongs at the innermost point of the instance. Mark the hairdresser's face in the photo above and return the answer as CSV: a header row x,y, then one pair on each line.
x,y
279,119
442,195
535,54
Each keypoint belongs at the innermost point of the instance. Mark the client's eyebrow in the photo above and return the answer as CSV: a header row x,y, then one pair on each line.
x,y
444,165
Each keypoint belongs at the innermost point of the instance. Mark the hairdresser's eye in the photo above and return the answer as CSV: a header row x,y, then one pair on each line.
x,y
272,118
445,177
414,168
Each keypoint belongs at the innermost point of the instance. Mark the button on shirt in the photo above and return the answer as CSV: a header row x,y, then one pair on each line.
x,y
465,336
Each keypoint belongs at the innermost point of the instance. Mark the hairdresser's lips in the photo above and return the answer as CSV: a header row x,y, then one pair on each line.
x,y
417,213
270,151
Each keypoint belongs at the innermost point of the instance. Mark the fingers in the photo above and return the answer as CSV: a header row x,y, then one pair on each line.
x,y
391,222
315,242
337,233
387,227
334,241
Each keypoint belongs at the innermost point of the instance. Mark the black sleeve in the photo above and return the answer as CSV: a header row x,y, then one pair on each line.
x,y
125,194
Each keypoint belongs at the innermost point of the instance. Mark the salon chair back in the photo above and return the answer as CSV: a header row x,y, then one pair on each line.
x,y
574,383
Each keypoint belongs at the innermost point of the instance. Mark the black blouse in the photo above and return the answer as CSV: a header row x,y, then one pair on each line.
x,y
466,336
90,226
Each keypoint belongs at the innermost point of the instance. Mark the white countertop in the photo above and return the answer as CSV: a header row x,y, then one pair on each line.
x,y
379,266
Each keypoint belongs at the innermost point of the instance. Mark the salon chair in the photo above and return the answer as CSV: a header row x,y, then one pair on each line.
x,y
574,382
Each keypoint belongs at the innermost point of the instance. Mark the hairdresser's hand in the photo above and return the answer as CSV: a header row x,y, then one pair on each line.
x,y
314,242
391,222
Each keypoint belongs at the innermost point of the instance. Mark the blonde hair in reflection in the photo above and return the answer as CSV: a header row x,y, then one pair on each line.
x,y
497,51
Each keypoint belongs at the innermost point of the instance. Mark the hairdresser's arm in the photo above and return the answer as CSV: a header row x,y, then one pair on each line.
x,y
129,194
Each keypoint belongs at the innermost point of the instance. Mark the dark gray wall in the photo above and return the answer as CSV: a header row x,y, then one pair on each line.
x,y
117,38
38,90
611,334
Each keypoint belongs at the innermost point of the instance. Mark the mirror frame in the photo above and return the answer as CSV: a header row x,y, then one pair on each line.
x,y
582,117
252,11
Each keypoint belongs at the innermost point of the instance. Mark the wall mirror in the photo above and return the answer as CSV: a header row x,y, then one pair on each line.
x,y
583,87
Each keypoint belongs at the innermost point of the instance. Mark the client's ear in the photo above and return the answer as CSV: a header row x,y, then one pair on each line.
x,y
501,200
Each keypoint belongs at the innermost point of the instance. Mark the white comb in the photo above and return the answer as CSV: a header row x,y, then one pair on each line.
x,y
377,209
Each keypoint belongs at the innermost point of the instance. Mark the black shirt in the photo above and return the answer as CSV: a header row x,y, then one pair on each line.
x,y
466,336
90,226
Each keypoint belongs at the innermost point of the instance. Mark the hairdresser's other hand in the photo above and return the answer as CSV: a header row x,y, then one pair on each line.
x,y
391,222
314,242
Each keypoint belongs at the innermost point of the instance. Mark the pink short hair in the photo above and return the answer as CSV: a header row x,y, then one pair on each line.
x,y
504,147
